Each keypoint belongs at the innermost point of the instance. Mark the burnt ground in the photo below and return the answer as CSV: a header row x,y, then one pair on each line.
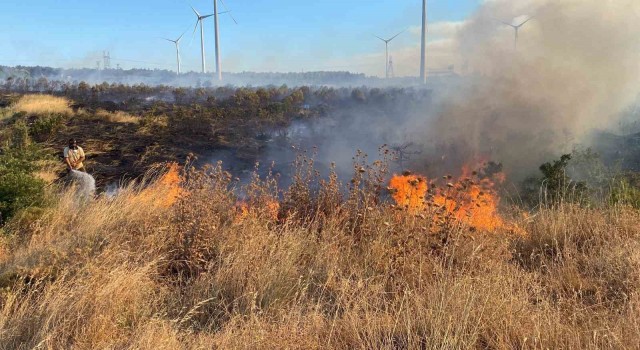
x,y
118,151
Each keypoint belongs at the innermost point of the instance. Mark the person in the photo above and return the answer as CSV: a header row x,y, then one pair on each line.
x,y
74,156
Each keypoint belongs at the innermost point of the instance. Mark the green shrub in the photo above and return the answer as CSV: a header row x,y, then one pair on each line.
x,y
625,193
44,127
19,135
554,186
19,189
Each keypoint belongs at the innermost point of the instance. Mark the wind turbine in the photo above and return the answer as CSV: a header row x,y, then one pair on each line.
x,y
386,47
199,21
177,42
517,28
217,34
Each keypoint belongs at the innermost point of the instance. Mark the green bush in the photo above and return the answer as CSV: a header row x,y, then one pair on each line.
x,y
19,189
45,126
19,134
625,193
554,186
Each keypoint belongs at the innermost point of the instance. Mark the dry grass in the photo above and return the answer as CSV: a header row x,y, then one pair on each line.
x,y
116,117
331,273
42,104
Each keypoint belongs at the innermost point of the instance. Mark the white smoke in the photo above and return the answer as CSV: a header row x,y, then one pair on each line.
x,y
575,69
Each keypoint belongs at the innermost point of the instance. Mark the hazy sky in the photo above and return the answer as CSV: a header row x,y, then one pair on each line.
x,y
272,35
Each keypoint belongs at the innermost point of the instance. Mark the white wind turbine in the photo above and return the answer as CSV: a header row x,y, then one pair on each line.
x,y
386,46
199,21
177,43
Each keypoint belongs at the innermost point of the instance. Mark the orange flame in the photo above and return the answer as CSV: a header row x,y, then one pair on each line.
x,y
171,181
409,191
474,202
168,186
244,211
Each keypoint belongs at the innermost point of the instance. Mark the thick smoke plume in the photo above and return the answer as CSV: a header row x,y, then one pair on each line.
x,y
575,69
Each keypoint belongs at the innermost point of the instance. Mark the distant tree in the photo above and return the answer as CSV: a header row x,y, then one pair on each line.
x,y
83,88
179,94
358,95
8,84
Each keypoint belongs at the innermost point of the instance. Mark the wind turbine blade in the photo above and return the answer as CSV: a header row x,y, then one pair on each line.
x,y
234,20
194,11
206,16
379,38
180,37
228,11
196,26
224,5
505,23
395,36
530,18
168,40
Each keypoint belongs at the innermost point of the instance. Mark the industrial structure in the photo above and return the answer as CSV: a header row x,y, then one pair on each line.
x,y
106,60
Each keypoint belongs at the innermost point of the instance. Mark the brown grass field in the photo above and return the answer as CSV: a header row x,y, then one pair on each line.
x,y
42,104
183,267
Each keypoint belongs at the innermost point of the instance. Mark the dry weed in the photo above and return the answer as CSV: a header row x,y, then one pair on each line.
x,y
43,104
116,117
335,271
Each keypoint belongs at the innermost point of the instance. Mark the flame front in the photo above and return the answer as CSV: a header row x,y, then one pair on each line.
x,y
166,191
467,199
171,182
408,191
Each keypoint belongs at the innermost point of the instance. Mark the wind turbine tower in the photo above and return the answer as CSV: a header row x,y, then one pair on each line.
x,y
199,21
423,47
517,29
177,43
217,34
391,73
386,47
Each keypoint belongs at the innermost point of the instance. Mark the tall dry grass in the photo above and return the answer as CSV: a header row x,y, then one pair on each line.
x,y
43,104
116,117
332,271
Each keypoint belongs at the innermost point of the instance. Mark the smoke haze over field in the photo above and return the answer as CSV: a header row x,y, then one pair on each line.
x,y
575,69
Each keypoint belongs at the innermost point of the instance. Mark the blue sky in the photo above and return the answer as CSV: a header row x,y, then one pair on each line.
x,y
272,35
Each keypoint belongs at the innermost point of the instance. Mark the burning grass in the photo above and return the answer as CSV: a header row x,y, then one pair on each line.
x,y
471,198
355,273
43,104
166,190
